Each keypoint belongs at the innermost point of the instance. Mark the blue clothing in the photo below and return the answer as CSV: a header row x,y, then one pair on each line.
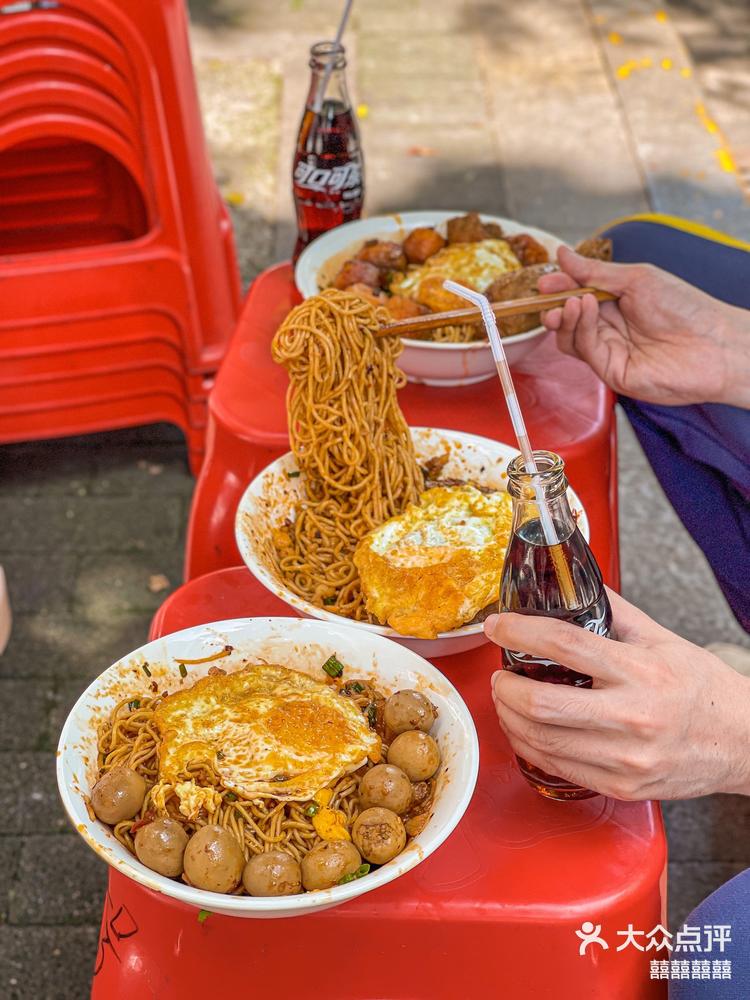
x,y
729,905
701,457
701,453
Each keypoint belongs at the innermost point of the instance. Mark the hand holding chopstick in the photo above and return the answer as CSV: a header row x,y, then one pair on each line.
x,y
513,307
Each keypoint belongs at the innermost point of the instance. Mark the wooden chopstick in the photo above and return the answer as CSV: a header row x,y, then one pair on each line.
x,y
513,307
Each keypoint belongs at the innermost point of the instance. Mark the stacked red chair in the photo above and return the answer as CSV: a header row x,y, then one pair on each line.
x,y
118,274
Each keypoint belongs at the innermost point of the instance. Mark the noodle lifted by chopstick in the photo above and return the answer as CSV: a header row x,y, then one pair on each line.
x,y
350,440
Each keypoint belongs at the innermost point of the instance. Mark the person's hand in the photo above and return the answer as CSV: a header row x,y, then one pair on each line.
x,y
663,341
665,719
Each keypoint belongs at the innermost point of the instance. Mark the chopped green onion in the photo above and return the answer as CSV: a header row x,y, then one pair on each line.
x,y
312,809
293,474
329,600
372,714
144,668
230,797
183,670
203,915
357,688
362,870
132,705
333,667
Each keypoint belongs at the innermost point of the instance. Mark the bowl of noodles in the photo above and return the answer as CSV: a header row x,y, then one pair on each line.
x,y
490,253
267,767
316,526
275,496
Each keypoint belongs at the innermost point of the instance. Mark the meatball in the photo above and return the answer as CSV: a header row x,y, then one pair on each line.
x,y
466,229
527,249
387,786
409,710
422,243
273,874
595,247
400,307
214,859
327,863
118,795
161,845
383,254
357,272
379,834
416,753
518,285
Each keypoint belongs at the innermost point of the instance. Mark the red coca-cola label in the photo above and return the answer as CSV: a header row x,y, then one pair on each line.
x,y
345,179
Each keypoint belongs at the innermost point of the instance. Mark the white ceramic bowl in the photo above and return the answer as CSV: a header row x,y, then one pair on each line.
x,y
422,360
272,496
302,645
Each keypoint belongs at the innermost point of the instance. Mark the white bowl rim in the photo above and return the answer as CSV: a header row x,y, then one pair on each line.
x,y
202,898
321,614
444,215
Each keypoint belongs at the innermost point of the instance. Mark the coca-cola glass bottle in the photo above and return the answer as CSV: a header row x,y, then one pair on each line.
x,y
327,180
557,581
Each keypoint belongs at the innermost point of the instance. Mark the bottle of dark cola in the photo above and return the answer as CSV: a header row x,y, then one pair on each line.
x,y
327,180
558,581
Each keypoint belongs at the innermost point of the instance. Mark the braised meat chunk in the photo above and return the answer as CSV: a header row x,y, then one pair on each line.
x,y
383,254
467,229
518,285
422,243
596,248
400,307
527,249
358,272
371,295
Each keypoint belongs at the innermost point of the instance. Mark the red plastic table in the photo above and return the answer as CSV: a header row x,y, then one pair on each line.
x,y
567,409
493,913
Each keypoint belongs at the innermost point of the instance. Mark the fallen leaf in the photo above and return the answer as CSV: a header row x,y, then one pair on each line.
x,y
158,582
421,151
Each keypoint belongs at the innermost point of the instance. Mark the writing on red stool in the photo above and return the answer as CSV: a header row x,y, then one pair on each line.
x,y
117,925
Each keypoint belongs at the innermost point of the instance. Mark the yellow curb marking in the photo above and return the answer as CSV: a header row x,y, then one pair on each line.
x,y
726,160
624,71
705,119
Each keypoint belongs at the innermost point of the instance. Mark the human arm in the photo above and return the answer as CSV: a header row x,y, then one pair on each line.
x,y
665,719
663,341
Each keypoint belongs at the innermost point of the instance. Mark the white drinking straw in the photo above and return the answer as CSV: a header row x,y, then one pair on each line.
x,y
318,102
503,370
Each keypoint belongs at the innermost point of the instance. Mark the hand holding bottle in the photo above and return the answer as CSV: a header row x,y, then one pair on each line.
x,y
663,341
665,719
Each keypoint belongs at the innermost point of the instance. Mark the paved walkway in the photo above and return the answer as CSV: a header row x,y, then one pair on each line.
x,y
565,114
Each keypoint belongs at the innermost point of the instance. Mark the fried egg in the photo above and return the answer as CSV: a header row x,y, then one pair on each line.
x,y
266,730
474,264
433,567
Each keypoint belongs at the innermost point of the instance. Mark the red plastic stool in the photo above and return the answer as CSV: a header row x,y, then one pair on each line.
x,y
567,409
110,215
493,913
